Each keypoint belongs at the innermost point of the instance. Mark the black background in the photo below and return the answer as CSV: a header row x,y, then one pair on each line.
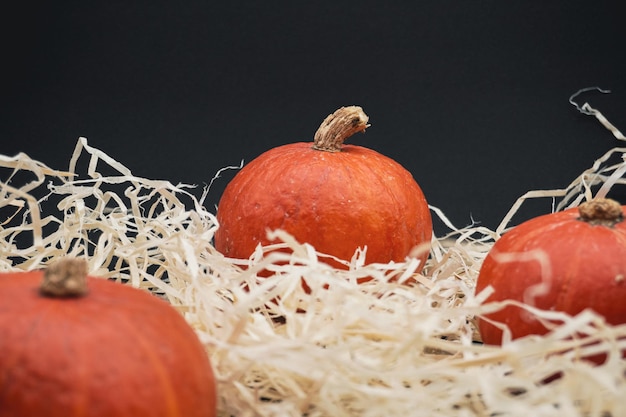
x,y
470,96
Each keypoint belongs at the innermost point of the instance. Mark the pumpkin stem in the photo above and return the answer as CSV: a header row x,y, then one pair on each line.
x,y
603,211
338,127
65,278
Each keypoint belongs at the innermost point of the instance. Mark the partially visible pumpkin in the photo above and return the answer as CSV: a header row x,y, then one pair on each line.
x,y
72,345
336,198
579,254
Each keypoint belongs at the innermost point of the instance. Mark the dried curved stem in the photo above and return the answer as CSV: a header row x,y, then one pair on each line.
x,y
339,126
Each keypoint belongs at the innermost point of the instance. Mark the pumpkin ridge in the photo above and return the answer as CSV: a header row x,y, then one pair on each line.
x,y
171,401
5,381
81,406
44,306
620,235
81,388
365,169
564,292
43,309
395,204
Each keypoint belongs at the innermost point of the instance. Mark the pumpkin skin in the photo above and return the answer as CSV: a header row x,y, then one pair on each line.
x,y
336,201
116,351
587,260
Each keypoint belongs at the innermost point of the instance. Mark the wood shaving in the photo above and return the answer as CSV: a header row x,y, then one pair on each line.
x,y
380,348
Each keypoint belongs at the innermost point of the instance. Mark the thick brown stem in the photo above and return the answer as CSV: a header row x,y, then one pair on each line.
x,y
603,211
338,127
65,278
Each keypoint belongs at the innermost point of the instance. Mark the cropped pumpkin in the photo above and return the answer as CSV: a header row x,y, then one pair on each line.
x,y
335,197
578,254
72,345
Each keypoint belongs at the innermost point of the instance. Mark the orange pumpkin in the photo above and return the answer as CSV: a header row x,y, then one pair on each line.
x,y
336,198
72,345
580,254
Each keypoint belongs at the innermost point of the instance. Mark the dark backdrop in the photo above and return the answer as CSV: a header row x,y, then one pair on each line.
x,y
470,96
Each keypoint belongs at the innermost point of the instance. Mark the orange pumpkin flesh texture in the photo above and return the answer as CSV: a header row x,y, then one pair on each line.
x,y
116,351
337,200
586,268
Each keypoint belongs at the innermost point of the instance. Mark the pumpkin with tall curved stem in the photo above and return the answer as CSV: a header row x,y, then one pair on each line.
x,y
335,197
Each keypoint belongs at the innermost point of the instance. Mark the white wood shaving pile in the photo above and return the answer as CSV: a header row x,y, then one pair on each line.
x,y
379,348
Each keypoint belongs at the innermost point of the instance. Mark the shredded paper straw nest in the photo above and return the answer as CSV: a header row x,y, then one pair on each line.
x,y
380,348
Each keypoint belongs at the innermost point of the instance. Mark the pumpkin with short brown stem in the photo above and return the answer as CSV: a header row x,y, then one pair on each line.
x,y
335,197
72,345
566,261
